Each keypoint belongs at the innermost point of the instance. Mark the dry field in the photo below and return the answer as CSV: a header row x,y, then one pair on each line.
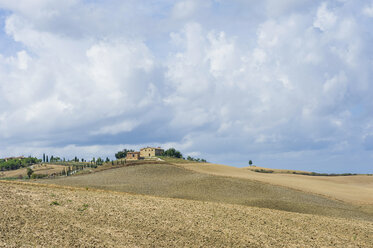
x,y
42,169
353,189
172,181
47,216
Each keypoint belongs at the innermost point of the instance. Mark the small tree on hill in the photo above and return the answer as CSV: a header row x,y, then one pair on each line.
x,y
250,162
29,172
99,161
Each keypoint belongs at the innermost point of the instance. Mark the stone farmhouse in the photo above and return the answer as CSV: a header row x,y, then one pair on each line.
x,y
147,152
133,156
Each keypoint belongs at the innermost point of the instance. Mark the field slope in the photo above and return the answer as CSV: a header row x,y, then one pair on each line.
x,y
49,216
354,189
174,181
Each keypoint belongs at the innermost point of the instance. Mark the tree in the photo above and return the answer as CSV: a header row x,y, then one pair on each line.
x,y
29,172
47,160
107,160
43,157
250,162
99,161
123,153
172,152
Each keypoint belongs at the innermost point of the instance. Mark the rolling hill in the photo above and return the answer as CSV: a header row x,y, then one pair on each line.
x,y
353,189
214,183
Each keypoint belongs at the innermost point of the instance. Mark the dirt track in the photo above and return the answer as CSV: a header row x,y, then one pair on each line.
x,y
58,217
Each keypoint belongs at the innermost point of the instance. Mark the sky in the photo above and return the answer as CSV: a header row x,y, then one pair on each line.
x,y
286,84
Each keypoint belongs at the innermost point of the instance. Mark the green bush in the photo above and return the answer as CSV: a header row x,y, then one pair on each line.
x,y
37,176
264,171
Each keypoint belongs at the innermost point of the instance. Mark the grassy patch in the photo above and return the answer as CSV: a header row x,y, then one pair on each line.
x,y
83,208
9,178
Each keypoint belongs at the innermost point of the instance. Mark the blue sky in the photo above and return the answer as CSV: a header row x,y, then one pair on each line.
x,y
287,84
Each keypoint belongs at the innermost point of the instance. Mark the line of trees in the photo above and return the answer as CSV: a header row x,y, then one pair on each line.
x,y
53,159
58,160
196,159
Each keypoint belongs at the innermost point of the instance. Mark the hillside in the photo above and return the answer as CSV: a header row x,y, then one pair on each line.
x,y
40,169
354,189
175,181
57,216
50,216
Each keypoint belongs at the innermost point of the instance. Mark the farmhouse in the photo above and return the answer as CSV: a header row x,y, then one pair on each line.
x,y
149,152
144,153
17,158
133,156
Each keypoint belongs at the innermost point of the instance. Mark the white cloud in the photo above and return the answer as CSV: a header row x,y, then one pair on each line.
x,y
125,126
215,78
183,9
325,19
368,10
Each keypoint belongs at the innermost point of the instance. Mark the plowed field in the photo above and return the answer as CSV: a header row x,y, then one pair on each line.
x,y
49,216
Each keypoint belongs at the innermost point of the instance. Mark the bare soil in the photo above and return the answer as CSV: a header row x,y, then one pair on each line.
x,y
50,216
177,182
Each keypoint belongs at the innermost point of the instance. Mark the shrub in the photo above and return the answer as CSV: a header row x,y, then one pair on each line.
x,y
38,176
264,171
29,172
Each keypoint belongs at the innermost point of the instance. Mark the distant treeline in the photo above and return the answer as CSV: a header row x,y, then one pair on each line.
x,y
196,159
324,174
309,173
14,164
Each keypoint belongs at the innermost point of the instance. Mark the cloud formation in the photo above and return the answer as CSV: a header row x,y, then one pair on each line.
x,y
286,85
